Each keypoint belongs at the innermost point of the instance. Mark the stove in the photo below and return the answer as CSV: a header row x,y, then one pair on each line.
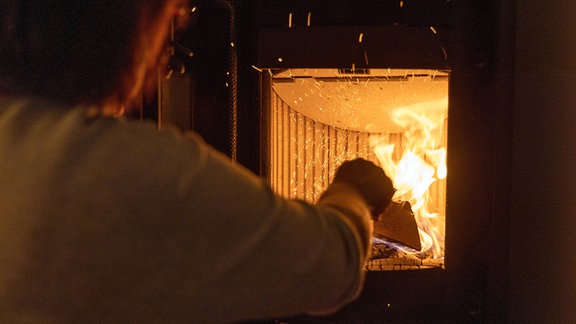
x,y
423,88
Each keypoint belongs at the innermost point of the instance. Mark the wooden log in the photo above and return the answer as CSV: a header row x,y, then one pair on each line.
x,y
397,224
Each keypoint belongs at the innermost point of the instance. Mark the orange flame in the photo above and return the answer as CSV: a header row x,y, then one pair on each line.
x,y
417,165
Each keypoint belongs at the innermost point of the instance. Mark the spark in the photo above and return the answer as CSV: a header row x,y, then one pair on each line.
x,y
290,20
256,68
401,4
309,19
444,51
433,30
360,37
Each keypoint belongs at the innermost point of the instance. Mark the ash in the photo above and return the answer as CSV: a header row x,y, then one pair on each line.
x,y
385,256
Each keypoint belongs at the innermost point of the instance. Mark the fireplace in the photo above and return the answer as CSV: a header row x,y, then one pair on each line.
x,y
397,118
291,89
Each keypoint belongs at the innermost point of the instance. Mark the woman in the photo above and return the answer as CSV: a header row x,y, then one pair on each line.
x,y
108,220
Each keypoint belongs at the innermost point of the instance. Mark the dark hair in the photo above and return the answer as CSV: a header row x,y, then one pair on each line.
x,y
71,51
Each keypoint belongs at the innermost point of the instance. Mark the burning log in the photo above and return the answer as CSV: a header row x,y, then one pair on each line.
x,y
397,224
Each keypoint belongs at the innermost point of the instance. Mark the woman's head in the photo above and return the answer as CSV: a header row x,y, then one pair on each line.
x,y
91,52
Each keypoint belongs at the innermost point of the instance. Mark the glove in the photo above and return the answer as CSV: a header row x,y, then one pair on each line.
x,y
371,182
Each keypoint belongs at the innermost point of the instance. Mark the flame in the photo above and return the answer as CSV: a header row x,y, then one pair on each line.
x,y
417,165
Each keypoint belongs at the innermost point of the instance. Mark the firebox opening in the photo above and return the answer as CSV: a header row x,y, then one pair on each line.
x,y
397,118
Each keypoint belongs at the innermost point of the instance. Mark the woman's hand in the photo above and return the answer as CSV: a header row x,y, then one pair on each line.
x,y
370,180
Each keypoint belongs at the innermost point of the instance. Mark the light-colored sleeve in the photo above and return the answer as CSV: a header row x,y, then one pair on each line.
x,y
120,223
255,254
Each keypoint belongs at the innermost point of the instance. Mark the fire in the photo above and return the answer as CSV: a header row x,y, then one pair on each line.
x,y
417,166
323,117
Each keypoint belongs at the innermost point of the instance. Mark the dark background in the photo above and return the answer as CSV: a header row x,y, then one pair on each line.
x,y
542,277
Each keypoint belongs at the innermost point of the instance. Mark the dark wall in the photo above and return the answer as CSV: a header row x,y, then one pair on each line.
x,y
543,224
